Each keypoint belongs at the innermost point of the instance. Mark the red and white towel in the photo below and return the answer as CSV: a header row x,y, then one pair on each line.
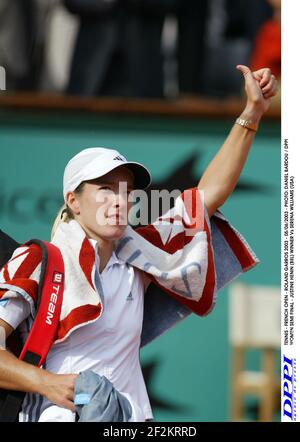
x,y
189,259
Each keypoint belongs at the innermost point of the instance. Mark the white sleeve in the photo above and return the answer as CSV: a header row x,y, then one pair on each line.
x,y
14,311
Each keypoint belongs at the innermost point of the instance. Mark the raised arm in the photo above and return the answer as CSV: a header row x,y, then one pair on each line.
x,y
223,172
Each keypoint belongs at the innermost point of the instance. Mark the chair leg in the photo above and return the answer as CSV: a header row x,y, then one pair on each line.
x,y
268,394
237,408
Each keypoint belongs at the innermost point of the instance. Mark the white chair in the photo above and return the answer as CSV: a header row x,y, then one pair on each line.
x,y
254,323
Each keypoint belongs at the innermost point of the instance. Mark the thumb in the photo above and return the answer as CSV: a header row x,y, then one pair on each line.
x,y
244,69
252,88
250,81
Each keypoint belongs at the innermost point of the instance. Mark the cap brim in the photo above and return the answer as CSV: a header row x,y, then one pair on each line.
x,y
142,177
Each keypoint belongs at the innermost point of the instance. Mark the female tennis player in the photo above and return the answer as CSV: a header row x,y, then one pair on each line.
x,y
109,266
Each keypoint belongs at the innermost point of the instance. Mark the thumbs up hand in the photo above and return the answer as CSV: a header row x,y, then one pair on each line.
x,y
260,87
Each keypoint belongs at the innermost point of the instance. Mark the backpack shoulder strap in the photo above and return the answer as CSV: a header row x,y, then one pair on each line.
x,y
50,295
42,333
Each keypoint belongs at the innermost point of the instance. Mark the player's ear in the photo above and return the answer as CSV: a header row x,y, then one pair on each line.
x,y
73,202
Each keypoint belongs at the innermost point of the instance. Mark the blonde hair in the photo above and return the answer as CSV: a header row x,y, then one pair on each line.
x,y
65,214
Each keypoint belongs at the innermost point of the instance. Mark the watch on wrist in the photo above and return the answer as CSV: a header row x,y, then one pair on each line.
x,y
247,124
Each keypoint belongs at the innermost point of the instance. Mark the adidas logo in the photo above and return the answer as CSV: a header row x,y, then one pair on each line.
x,y
118,158
129,297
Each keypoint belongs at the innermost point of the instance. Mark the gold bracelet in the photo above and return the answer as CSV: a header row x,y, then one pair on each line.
x,y
247,124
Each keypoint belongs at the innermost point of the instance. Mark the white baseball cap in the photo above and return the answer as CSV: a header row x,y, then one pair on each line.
x,y
95,162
